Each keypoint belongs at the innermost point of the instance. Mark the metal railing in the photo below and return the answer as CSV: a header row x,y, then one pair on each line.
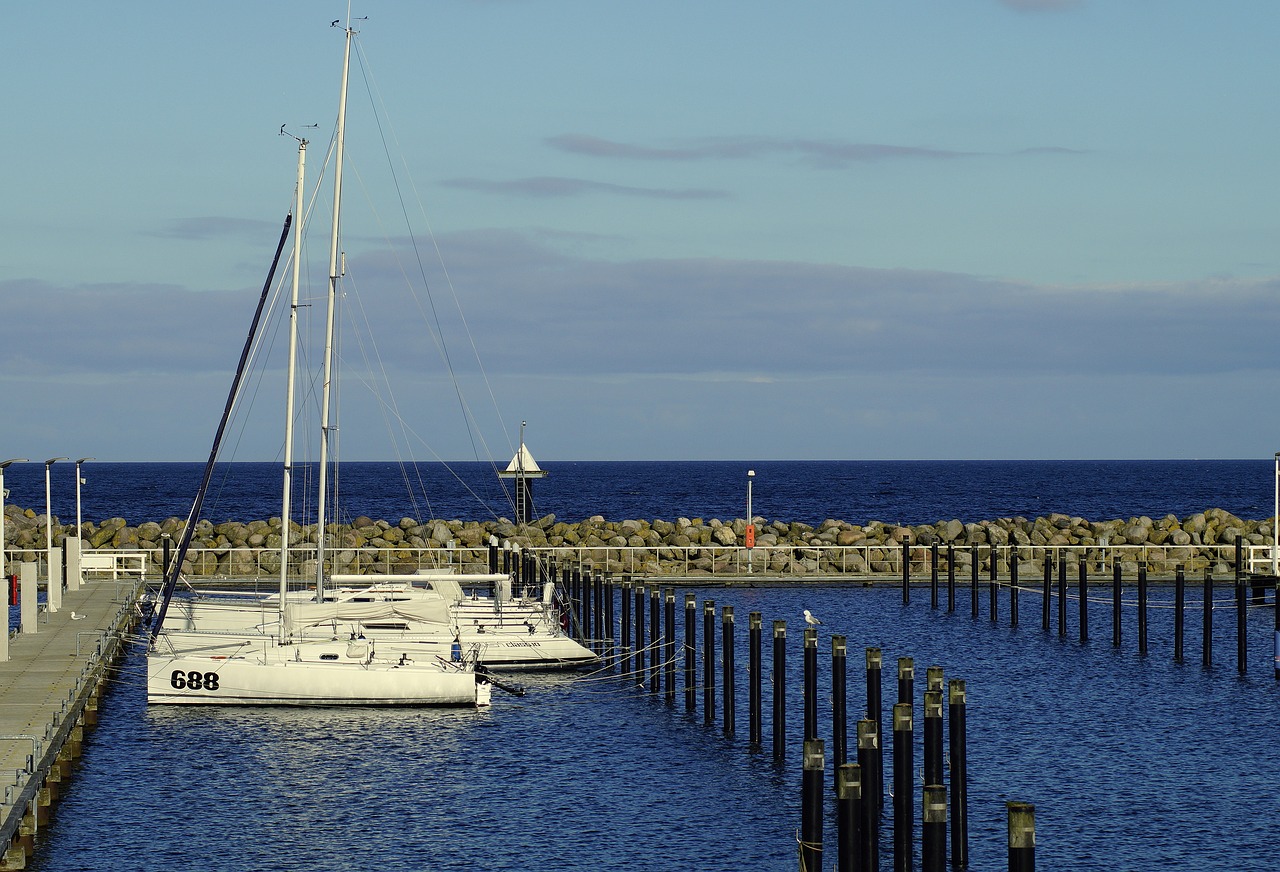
x,y
798,560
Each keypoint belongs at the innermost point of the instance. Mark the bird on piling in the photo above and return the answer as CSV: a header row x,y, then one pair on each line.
x,y
810,619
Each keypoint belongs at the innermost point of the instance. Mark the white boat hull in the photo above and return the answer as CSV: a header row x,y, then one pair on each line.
x,y
297,675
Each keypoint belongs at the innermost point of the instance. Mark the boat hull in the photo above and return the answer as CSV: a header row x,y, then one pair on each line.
x,y
285,676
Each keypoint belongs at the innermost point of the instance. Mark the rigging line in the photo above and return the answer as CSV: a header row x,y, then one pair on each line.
x,y
371,89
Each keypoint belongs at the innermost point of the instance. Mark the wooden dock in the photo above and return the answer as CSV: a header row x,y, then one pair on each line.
x,y
49,690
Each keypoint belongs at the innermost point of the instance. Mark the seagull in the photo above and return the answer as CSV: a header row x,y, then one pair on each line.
x,y
76,617
810,619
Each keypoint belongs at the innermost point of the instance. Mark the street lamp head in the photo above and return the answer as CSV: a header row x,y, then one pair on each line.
x,y
5,463
85,460
751,473
52,460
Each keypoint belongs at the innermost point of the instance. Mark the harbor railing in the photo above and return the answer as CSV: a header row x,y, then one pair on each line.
x,y
863,561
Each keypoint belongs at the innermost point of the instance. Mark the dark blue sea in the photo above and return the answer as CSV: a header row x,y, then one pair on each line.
x,y
904,492
1132,762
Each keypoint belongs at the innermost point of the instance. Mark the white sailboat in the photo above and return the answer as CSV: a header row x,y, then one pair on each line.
x,y
230,666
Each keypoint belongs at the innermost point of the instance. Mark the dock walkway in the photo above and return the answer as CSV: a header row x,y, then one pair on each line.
x,y
49,691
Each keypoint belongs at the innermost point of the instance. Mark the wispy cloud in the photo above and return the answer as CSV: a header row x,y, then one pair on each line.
x,y
557,186
216,227
1041,5
825,154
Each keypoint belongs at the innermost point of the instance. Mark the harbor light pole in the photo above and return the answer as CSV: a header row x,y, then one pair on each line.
x,y
751,527
4,566
79,481
48,514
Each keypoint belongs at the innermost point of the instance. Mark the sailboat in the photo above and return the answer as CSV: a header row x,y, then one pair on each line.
x,y
233,667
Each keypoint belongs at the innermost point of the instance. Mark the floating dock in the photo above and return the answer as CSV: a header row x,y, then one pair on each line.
x,y
49,691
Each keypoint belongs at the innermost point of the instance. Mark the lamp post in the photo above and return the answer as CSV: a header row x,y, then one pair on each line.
x,y
751,527
80,481
4,566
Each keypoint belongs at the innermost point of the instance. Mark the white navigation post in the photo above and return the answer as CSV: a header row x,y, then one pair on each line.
x,y
53,571
750,533
75,573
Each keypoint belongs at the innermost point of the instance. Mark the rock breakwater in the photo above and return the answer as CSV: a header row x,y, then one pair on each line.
x,y
684,546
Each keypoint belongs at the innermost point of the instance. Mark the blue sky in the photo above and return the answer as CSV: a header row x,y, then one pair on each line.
x,y
714,230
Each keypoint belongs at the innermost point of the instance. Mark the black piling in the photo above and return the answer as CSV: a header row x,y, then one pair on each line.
x,y
730,715
1022,836
1115,604
810,683
973,578
1275,644
655,639
598,577
1242,647
875,709
933,853
1179,610
610,596
906,679
959,753
839,714
584,585
640,652
1046,602
709,662
1084,600
869,759
1013,586
994,588
811,789
933,575
849,818
1206,658
779,725
690,652
625,628
904,824
1142,608
906,570
951,578
1062,596
754,686
669,647
933,737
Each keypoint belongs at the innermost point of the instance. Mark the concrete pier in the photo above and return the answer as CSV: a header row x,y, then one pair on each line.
x,y
49,690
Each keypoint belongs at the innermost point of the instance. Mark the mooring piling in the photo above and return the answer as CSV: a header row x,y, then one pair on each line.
x,y
639,616
1013,586
1242,652
839,715
1084,600
1206,659
951,578
906,570
755,716
875,709
811,810
779,691
1062,596
973,578
903,788
709,662
1022,836
669,652
869,760
655,638
958,747
690,652
810,682
993,587
933,853
730,715
624,628
1046,602
1115,604
906,679
1142,608
933,575
849,818
1179,609
933,737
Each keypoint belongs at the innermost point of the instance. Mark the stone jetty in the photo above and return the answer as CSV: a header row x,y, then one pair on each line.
x,y
1204,540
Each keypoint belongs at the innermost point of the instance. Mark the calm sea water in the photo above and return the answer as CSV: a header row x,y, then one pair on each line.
x,y
1133,763
908,492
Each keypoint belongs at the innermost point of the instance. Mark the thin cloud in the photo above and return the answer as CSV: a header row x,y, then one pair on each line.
x,y
819,153
556,186
216,227
1041,5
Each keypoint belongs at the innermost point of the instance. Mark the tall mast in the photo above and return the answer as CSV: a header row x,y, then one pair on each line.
x,y
335,258
286,502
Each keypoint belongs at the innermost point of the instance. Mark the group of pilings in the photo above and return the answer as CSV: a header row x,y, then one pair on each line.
x,y
654,652
1249,592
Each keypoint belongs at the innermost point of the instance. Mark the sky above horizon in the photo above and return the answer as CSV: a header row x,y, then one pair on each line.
x,y
985,229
